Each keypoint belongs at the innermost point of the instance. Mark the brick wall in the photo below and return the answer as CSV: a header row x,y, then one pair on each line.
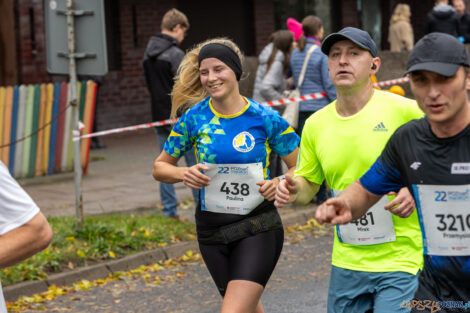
x,y
123,95
8,56
349,16
264,22
124,98
32,62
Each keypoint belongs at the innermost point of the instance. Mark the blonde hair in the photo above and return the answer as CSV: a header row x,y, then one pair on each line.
x,y
401,13
188,89
172,18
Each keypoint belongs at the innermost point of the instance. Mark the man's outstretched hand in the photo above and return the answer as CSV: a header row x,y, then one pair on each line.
x,y
335,211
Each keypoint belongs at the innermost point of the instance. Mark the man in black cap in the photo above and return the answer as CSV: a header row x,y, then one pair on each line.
x,y
372,264
431,156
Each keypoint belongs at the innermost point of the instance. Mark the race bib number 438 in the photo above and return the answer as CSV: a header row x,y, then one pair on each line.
x,y
444,215
232,188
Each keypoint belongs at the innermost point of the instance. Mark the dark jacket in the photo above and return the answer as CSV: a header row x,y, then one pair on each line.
x,y
465,27
161,60
443,19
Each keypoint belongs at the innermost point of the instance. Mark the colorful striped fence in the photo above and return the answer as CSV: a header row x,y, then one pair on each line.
x,y
42,110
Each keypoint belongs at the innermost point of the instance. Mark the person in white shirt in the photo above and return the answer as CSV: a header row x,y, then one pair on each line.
x,y
24,230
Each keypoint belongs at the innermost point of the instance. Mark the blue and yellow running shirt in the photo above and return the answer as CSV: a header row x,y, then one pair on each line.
x,y
245,137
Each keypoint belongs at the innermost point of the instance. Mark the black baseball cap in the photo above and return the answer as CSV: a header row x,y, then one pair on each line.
x,y
439,53
359,37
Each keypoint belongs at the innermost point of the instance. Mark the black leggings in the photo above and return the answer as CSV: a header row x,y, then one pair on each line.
x,y
252,258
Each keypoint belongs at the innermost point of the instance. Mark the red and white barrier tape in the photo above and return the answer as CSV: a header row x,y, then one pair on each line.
x,y
126,129
317,95
390,82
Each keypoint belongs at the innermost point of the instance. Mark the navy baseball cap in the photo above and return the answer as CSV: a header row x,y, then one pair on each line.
x,y
439,53
359,37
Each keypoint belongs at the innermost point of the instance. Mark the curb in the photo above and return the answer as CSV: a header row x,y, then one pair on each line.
x,y
93,272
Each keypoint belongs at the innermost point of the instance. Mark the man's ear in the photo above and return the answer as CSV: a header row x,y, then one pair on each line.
x,y
375,65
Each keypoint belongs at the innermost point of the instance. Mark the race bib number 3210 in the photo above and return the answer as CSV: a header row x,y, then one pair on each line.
x,y
444,215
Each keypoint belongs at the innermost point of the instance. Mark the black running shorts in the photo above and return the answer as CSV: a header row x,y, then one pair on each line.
x,y
252,258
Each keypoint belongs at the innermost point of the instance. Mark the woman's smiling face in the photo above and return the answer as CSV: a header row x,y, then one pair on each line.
x,y
217,78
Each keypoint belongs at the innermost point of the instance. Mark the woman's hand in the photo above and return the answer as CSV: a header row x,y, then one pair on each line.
x,y
268,188
193,178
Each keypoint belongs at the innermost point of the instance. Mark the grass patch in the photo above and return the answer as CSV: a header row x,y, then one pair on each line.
x,y
101,237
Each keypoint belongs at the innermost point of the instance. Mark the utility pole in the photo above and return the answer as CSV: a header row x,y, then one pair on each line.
x,y
77,164
71,24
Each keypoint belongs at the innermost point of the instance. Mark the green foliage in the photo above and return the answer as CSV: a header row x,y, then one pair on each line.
x,y
100,238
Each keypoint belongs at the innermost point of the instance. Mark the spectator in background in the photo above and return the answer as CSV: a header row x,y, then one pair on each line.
x,y
161,60
295,27
400,32
273,65
24,230
443,19
317,77
270,80
464,19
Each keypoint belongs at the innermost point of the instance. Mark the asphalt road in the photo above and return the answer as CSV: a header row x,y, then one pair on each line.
x,y
298,285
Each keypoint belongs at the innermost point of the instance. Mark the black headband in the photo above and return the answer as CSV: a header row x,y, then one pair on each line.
x,y
224,54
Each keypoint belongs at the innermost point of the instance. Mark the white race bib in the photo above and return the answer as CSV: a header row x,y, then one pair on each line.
x,y
232,188
375,227
444,215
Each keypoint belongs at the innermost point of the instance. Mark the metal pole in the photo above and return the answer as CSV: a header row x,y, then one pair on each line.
x,y
74,104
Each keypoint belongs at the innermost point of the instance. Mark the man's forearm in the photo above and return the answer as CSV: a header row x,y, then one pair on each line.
x,y
358,199
24,241
306,190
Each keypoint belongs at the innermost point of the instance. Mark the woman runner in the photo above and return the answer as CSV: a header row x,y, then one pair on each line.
x,y
239,231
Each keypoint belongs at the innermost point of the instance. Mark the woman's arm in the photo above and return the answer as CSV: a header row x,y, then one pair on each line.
x,y
166,171
291,161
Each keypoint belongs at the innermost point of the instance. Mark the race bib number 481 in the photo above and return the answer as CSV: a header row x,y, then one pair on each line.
x,y
375,227
232,188
444,215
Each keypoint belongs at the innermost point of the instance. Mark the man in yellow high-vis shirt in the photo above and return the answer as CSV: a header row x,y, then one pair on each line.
x,y
375,258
